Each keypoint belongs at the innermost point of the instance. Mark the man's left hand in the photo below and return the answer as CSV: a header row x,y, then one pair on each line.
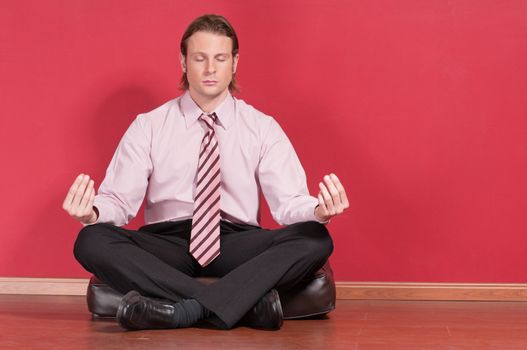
x,y
332,199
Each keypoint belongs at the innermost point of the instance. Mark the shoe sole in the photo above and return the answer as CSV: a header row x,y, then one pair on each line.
x,y
276,296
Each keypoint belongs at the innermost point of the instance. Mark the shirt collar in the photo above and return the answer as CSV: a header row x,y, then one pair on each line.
x,y
191,111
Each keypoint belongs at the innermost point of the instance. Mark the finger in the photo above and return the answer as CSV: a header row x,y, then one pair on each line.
x,y
92,198
77,197
341,190
322,204
86,197
327,198
334,194
87,211
71,192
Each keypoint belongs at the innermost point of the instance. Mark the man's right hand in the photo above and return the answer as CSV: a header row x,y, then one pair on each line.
x,y
79,200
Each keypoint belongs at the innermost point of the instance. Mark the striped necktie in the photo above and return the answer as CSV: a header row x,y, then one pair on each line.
x,y
205,233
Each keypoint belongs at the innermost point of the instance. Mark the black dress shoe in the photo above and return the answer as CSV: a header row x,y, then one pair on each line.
x,y
266,314
138,312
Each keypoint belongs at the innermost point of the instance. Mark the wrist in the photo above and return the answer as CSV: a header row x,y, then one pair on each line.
x,y
94,215
318,217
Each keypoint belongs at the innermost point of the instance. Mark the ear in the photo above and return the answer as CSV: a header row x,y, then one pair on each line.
x,y
235,63
183,63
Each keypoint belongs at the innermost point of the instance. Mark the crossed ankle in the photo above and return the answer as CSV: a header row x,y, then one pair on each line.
x,y
190,311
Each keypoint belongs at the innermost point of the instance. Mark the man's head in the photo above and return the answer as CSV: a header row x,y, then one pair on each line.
x,y
209,56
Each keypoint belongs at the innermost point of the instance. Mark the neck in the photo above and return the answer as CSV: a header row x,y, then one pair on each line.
x,y
208,103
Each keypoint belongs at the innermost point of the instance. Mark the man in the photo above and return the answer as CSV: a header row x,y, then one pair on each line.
x,y
201,160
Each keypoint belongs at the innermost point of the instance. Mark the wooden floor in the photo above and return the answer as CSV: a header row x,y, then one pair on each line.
x,y
59,322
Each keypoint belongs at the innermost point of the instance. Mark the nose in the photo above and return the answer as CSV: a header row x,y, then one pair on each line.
x,y
211,68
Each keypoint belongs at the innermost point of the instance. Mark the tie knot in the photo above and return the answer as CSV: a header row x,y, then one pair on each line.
x,y
209,119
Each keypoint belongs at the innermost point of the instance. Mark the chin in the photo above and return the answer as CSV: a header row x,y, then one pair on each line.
x,y
213,90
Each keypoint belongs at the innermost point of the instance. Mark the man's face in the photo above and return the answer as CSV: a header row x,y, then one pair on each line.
x,y
209,64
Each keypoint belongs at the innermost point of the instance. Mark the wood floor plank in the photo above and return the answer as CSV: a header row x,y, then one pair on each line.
x,y
63,322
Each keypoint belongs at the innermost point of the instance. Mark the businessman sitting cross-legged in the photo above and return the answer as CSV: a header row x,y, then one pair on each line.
x,y
201,159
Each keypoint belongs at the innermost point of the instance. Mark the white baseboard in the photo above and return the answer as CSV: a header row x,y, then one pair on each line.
x,y
345,290
432,291
43,286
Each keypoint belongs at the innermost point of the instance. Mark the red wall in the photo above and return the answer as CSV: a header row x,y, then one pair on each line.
x,y
419,106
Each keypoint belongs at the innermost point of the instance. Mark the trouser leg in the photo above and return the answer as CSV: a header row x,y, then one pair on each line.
x,y
153,263
157,263
253,262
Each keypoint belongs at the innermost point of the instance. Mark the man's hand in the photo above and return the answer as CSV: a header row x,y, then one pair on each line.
x,y
332,198
79,200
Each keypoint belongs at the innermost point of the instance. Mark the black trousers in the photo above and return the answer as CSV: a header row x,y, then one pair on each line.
x,y
155,261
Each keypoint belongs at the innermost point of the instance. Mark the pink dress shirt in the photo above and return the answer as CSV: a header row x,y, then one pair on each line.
x,y
158,155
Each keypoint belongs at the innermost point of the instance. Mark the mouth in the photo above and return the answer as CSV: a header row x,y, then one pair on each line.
x,y
209,82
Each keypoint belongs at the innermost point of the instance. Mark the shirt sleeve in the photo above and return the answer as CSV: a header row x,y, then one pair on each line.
x,y
124,186
283,180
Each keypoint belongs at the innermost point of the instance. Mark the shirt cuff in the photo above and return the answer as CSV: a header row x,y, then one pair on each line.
x,y
105,212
